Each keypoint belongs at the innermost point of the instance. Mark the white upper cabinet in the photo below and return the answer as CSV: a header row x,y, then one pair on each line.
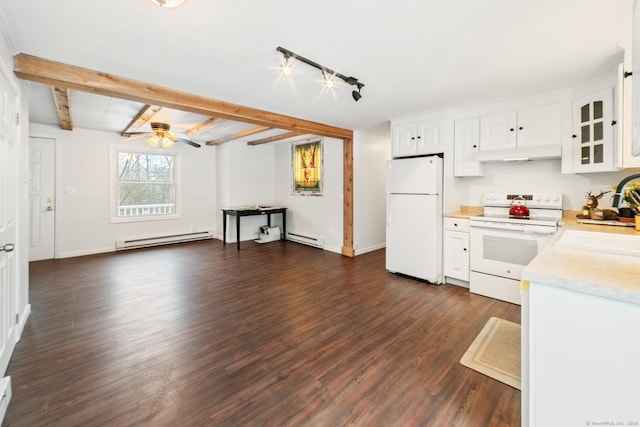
x,y
498,131
592,139
417,137
635,146
530,127
466,145
623,113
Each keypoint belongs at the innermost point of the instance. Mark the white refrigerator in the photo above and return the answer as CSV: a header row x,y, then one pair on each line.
x,y
414,217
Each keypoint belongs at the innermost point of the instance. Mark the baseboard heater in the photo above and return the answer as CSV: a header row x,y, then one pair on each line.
x,y
306,240
122,245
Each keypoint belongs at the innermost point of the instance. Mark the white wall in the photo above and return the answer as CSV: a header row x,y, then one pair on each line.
x,y
245,178
371,150
316,216
82,218
537,176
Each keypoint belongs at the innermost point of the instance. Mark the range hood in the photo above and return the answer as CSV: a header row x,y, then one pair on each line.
x,y
540,152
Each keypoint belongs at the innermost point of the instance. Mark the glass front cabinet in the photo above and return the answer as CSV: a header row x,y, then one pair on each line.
x,y
593,143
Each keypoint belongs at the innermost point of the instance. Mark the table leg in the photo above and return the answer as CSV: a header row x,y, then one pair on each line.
x,y
284,226
224,228
238,231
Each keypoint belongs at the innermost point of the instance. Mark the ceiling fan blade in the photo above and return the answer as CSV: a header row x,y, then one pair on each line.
x,y
135,137
188,141
128,134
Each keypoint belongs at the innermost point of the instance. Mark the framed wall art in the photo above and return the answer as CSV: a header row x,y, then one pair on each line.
x,y
307,167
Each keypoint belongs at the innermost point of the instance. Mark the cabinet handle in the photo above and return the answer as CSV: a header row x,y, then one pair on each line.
x,y
475,146
419,137
574,136
455,224
520,128
9,247
465,249
613,122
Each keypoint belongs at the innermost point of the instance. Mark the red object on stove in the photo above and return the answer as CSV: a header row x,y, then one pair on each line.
x,y
518,209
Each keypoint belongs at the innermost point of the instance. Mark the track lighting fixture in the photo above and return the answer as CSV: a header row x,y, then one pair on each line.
x,y
328,74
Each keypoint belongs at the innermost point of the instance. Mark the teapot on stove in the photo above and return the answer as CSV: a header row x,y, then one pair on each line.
x,y
518,208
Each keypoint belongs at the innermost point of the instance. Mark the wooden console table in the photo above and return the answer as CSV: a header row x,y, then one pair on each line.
x,y
238,213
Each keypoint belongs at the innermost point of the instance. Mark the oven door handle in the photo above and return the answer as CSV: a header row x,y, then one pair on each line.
x,y
497,226
520,228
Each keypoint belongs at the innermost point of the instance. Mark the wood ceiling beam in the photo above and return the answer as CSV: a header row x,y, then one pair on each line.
x,y
61,99
61,75
274,138
144,115
209,122
238,135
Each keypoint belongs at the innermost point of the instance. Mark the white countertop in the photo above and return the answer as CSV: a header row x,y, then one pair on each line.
x,y
602,274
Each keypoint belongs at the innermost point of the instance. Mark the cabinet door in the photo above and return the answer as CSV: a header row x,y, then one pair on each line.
x,y
540,126
456,255
498,131
429,136
403,140
466,145
635,149
623,114
593,133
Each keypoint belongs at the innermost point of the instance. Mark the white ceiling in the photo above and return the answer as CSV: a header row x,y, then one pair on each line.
x,y
412,55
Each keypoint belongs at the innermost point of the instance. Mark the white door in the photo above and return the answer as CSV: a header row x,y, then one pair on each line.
x,y
42,198
8,208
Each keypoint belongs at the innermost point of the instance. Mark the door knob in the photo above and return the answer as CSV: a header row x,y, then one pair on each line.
x,y
9,247
49,208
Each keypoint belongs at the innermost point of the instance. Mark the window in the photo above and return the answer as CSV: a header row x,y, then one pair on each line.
x,y
145,185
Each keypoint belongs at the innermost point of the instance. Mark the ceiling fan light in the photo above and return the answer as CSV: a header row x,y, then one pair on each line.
x,y
154,141
168,3
167,142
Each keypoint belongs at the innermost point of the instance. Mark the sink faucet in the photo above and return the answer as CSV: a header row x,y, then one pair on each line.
x,y
618,196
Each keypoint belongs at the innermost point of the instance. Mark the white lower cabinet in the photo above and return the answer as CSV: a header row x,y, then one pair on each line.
x,y
456,248
583,353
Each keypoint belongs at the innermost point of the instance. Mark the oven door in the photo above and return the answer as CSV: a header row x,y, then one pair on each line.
x,y
503,253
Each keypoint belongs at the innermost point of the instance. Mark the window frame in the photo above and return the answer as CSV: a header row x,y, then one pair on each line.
x,y
114,183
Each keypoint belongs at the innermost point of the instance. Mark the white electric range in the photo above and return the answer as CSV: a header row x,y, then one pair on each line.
x,y
501,246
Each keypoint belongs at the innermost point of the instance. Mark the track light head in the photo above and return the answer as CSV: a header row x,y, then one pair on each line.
x,y
356,95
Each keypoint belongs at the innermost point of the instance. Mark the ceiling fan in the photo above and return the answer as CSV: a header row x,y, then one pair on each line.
x,y
162,137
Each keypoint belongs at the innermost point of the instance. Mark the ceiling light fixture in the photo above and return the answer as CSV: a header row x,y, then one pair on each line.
x,y
328,81
329,75
168,3
162,138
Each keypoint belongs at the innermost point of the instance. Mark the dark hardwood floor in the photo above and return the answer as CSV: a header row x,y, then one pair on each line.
x,y
278,334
